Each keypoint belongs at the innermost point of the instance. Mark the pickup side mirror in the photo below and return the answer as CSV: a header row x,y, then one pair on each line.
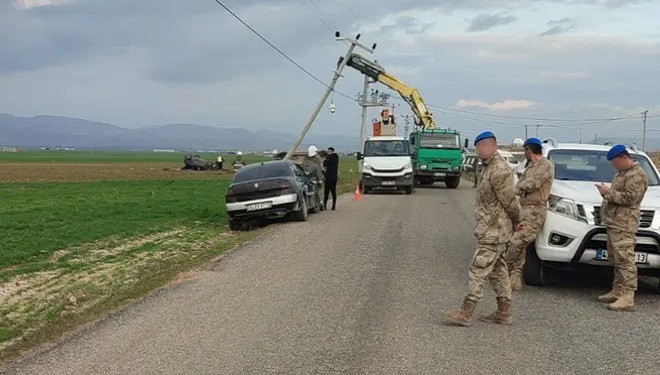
x,y
360,156
467,143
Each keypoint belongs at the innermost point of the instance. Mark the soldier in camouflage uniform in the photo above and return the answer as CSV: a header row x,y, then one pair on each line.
x,y
620,213
312,166
497,213
533,188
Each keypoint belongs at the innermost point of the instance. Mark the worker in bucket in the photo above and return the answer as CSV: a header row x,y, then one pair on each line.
x,y
312,167
497,213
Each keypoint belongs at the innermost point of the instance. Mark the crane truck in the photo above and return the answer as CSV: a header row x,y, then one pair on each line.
x,y
437,153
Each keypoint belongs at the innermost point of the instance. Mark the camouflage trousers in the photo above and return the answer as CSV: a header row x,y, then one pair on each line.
x,y
621,254
532,218
488,263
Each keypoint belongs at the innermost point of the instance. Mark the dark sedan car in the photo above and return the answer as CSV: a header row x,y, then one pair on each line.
x,y
270,190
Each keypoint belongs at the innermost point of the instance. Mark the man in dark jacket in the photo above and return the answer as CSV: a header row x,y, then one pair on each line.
x,y
331,165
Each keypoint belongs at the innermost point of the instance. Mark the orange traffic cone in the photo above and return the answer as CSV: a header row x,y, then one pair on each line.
x,y
358,194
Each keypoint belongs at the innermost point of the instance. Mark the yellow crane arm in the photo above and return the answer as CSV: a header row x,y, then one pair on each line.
x,y
409,94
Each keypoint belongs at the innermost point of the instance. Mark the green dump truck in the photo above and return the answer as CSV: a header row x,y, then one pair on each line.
x,y
437,156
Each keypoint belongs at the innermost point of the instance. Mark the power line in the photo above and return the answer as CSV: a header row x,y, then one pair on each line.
x,y
273,46
321,16
360,25
533,118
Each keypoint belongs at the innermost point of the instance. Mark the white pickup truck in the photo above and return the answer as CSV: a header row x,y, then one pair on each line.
x,y
573,233
385,163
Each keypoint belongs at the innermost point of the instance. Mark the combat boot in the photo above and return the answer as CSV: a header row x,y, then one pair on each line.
x,y
610,296
502,315
516,282
463,317
626,302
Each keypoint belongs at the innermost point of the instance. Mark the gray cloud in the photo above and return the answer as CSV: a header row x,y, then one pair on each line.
x,y
487,21
558,27
154,61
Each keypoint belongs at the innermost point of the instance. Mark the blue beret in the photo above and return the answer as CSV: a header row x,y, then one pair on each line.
x,y
533,141
615,151
483,135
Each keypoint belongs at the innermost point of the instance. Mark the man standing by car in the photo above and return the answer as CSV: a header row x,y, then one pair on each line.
x,y
620,213
312,167
331,165
497,213
533,188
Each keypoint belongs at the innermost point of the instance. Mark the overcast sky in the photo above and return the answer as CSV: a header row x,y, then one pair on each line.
x,y
149,62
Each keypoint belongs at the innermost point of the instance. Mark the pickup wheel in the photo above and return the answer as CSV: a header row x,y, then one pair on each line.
x,y
301,215
535,273
453,182
409,190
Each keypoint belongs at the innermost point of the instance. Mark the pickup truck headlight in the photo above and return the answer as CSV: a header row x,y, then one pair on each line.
x,y
423,167
565,207
409,165
366,166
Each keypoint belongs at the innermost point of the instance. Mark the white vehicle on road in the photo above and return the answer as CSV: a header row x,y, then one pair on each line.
x,y
573,233
386,163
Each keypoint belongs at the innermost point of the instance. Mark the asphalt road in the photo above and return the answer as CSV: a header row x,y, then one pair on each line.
x,y
358,291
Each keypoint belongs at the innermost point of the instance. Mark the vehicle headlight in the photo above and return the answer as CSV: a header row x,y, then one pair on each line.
x,y
409,165
366,166
565,207
456,167
423,167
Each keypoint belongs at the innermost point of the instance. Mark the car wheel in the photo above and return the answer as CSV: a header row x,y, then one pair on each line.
x,y
302,214
409,190
235,225
453,182
535,273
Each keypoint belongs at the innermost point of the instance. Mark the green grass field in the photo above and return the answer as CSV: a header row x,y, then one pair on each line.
x,y
38,219
71,251
91,156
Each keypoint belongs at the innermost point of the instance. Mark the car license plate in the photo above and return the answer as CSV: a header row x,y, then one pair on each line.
x,y
601,254
259,206
439,174
388,183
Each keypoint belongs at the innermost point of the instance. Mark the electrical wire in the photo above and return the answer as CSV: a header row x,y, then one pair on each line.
x,y
441,109
321,14
273,46
326,21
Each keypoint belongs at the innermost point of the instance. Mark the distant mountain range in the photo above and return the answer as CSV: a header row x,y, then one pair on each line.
x,y
55,131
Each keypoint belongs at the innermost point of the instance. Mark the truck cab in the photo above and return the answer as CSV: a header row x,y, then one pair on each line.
x,y
437,156
385,162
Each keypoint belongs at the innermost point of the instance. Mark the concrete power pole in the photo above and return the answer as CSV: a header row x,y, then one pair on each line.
x,y
406,128
644,115
353,42
366,100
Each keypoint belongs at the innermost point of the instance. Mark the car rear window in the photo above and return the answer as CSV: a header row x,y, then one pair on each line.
x,y
262,171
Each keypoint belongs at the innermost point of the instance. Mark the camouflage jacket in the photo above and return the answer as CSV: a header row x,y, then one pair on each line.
x,y
497,210
313,168
534,185
620,208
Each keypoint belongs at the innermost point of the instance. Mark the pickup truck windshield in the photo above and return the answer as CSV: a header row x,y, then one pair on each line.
x,y
386,148
590,165
439,141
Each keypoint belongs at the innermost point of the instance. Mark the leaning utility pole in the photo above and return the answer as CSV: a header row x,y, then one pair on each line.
x,y
644,115
353,42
